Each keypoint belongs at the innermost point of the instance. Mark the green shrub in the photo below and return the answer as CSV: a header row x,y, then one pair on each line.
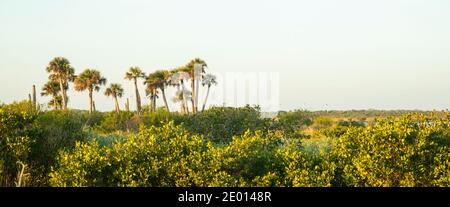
x,y
307,169
322,122
408,151
157,156
291,123
34,139
125,121
220,124
161,116
249,160
93,120
107,139
84,166
171,156
58,130
18,133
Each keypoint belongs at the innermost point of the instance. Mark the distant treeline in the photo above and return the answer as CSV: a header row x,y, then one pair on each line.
x,y
360,114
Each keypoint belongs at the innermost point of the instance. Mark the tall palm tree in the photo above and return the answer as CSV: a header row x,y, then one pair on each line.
x,y
127,105
62,72
151,91
115,90
56,102
161,80
178,78
133,74
89,80
52,88
208,80
179,97
194,75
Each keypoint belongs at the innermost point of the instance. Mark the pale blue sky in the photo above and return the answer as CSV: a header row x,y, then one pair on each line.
x,y
346,54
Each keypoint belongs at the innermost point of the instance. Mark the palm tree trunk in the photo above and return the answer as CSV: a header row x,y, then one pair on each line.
x,y
151,104
91,101
63,94
127,105
138,97
165,100
184,98
154,100
55,104
193,94
186,108
196,95
182,109
206,98
34,97
116,105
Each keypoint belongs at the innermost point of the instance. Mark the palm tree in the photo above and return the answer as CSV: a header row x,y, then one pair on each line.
x,y
178,98
177,78
161,80
61,72
152,83
133,74
127,105
180,95
151,93
52,88
208,80
115,90
89,80
190,68
56,102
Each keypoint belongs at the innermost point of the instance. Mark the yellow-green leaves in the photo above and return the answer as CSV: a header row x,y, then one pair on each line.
x,y
411,150
405,151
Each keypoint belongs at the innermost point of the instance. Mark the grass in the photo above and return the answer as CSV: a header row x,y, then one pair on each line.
x,y
107,139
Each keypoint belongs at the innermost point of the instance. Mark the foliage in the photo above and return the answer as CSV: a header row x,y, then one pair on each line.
x,y
249,160
323,122
17,135
157,156
57,130
34,138
408,151
292,123
170,156
220,147
303,170
220,124
125,121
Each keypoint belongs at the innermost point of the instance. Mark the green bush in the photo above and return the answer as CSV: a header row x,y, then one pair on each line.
x,y
168,156
18,133
112,122
249,160
323,122
307,169
171,156
220,147
161,116
220,124
408,151
93,120
34,139
157,156
291,123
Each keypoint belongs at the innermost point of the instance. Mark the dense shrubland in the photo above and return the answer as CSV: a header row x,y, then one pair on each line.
x,y
220,147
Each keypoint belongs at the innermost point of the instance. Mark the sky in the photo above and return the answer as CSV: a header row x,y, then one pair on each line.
x,y
329,54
